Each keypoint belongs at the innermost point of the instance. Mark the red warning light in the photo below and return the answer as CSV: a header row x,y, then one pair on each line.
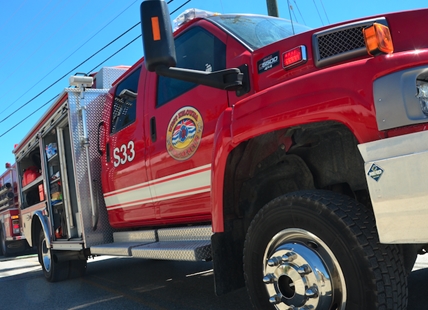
x,y
294,57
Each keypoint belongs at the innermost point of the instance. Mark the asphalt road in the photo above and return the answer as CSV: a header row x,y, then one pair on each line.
x,y
116,283
126,283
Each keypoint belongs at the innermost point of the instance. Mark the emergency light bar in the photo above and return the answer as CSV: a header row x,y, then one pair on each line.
x,y
190,14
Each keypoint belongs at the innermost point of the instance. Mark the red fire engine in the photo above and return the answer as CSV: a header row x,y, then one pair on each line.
x,y
11,239
292,158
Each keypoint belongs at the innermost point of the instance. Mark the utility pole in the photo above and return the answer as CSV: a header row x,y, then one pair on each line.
x,y
272,8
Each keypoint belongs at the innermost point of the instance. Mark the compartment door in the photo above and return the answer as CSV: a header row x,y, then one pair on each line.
x,y
127,193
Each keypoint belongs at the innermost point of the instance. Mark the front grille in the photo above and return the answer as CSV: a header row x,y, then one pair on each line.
x,y
341,43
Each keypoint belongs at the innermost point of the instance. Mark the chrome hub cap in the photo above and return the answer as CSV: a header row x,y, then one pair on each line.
x,y
301,273
46,256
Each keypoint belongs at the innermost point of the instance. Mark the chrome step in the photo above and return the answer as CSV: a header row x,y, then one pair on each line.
x,y
191,243
198,250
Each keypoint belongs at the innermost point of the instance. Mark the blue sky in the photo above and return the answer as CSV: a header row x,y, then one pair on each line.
x,y
43,40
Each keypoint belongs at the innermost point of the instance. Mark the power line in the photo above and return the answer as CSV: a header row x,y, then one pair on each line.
x,y
322,4
294,14
28,36
111,56
16,85
43,9
41,45
299,12
77,67
179,6
319,15
28,116
87,59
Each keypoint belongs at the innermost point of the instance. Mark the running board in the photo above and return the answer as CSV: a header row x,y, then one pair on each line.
x,y
182,243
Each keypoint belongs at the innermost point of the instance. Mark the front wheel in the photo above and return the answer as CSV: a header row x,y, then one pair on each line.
x,y
53,271
320,250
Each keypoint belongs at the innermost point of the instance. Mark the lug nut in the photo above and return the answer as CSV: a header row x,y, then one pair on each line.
x,y
269,278
275,299
304,269
289,257
312,292
274,261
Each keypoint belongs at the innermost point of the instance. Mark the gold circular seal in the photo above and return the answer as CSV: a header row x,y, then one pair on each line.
x,y
184,133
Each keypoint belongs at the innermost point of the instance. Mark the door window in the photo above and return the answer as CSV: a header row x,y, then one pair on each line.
x,y
195,49
124,108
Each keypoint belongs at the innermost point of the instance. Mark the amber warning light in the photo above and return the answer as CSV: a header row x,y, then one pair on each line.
x,y
155,28
294,57
378,39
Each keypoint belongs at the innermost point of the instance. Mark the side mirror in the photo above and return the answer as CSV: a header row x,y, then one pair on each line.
x,y
127,95
158,41
159,51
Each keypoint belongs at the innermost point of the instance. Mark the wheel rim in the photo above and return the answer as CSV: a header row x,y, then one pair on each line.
x,y
300,272
46,256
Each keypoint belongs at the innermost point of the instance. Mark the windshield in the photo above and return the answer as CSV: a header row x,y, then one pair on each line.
x,y
257,31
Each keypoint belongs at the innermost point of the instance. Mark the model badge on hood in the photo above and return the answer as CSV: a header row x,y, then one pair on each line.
x,y
268,62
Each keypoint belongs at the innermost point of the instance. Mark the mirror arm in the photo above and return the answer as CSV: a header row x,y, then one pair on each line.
x,y
227,79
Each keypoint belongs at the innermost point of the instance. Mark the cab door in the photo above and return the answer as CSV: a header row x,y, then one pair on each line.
x,y
182,118
127,194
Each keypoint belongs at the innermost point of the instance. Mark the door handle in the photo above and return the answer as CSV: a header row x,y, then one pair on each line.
x,y
153,129
100,151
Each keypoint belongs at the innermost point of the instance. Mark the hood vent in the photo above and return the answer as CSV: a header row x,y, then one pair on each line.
x,y
341,43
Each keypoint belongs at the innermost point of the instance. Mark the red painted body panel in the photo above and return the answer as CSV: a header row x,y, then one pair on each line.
x,y
290,98
176,205
278,99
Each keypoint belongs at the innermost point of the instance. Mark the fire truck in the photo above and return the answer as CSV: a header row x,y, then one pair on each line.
x,y
292,158
11,239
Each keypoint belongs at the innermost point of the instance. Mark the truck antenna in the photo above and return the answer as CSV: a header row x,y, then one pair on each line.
x,y
291,17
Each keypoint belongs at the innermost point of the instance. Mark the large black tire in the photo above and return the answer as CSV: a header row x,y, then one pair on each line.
x,y
320,250
53,271
77,268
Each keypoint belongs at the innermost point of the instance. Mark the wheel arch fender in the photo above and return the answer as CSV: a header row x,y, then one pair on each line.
x,y
40,222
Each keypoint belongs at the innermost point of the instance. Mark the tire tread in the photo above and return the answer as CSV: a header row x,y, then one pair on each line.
x,y
387,266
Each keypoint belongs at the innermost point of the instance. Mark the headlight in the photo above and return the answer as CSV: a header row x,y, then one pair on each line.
x,y
422,94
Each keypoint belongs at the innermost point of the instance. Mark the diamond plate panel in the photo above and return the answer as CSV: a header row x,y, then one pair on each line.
x,y
185,233
108,75
115,249
170,250
94,100
135,236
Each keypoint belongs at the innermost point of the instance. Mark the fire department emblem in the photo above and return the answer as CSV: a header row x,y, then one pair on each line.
x,y
184,133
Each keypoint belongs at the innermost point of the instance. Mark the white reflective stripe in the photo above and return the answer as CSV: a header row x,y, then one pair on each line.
x,y
159,180
186,183
142,195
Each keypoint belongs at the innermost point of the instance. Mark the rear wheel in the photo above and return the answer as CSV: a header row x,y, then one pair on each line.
x,y
320,250
53,271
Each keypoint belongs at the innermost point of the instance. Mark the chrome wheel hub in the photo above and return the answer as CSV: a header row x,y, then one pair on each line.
x,y
301,273
46,256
